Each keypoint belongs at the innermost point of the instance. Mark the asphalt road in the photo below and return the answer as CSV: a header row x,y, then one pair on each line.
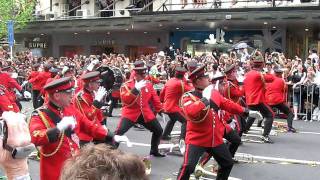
x,y
287,145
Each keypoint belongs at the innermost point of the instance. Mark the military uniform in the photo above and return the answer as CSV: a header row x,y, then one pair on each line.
x,y
170,96
254,86
276,92
84,102
205,129
54,146
140,107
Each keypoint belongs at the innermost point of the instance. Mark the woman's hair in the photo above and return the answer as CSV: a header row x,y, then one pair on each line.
x,y
101,162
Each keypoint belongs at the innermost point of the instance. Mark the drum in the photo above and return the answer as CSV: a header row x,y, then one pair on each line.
x,y
112,77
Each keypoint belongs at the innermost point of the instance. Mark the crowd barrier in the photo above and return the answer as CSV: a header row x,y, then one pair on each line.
x,y
308,101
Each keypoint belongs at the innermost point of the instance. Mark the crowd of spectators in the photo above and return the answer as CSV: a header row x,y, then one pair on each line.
x,y
298,73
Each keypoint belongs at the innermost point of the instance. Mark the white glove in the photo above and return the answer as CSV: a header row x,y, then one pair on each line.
x,y
206,93
92,64
98,95
67,122
124,139
140,84
255,114
233,124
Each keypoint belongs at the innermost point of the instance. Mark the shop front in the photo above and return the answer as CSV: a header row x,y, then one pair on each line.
x,y
204,42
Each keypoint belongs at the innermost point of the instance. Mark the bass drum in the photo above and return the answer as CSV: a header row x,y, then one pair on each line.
x,y
112,77
118,78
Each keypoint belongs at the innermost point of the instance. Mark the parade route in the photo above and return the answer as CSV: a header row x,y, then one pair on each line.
x,y
299,146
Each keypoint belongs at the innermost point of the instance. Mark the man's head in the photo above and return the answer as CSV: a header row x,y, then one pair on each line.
x,y
199,79
257,60
140,70
102,162
91,80
60,91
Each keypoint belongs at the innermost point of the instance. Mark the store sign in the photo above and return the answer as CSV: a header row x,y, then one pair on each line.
x,y
195,41
107,42
33,45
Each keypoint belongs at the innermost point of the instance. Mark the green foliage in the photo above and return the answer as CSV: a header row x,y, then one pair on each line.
x,y
18,10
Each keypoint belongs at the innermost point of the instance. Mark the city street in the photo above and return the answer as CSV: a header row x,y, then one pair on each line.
x,y
287,145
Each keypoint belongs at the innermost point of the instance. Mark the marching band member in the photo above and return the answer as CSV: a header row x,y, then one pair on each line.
x,y
204,128
88,102
140,105
170,96
55,128
254,86
276,97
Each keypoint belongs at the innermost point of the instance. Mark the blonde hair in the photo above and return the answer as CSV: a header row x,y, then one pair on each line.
x,y
101,162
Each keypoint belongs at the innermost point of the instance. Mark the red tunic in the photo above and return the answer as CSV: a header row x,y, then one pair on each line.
x,y
83,101
276,91
134,102
32,75
254,86
45,134
204,126
40,80
171,94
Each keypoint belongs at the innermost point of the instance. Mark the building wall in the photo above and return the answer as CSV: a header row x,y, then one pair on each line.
x,y
121,41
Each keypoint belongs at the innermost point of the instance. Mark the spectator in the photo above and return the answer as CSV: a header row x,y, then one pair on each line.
x,y
96,162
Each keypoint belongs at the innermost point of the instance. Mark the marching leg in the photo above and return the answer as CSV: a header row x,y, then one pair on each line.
x,y
190,161
235,141
169,127
123,126
223,157
156,129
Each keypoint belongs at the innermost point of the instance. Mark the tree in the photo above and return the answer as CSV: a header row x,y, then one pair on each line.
x,y
20,11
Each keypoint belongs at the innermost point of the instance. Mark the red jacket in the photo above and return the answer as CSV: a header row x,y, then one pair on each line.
x,y
83,101
40,80
276,91
134,102
254,86
32,75
45,134
171,94
204,126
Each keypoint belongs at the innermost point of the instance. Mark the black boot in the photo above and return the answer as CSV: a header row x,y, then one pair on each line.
x,y
157,154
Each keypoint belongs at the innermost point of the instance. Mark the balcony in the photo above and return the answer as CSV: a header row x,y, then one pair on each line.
x,y
120,8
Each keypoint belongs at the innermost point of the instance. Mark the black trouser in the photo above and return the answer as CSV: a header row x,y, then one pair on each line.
x,y
234,140
173,119
220,153
242,122
35,95
286,110
153,126
266,112
113,104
